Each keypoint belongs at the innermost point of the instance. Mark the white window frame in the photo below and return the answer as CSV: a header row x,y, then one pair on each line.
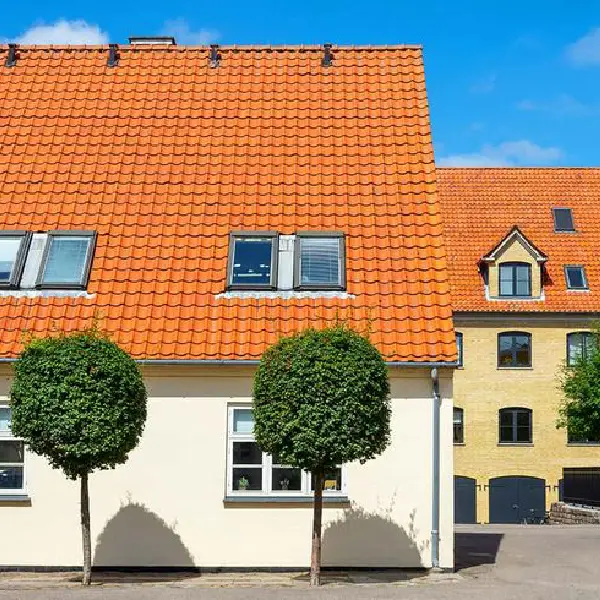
x,y
267,468
9,437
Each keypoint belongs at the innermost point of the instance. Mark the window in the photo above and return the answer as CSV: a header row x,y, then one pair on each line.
x,y
12,457
577,439
253,472
516,426
459,348
253,260
66,261
13,248
575,276
563,219
514,349
458,426
579,346
515,279
319,261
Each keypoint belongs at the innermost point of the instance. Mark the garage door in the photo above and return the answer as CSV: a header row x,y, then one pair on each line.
x,y
465,500
517,500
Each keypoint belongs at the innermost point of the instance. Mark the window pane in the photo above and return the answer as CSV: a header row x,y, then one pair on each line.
x,y
523,418
563,219
247,478
252,261
506,434
506,418
320,261
522,351
523,434
574,347
243,420
4,420
575,278
11,478
11,451
459,348
9,247
458,433
66,260
523,280
506,280
590,344
506,350
246,453
332,481
286,479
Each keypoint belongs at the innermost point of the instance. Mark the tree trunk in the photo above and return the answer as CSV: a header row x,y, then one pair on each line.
x,y
85,531
315,556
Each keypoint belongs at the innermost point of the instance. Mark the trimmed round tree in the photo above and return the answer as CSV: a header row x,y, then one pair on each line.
x,y
79,401
321,398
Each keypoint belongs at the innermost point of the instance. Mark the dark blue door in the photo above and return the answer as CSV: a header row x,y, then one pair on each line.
x,y
517,500
465,500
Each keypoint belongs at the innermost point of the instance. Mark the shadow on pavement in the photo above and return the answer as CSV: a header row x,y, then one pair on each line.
x,y
474,549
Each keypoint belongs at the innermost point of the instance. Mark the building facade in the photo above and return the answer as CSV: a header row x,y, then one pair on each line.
x,y
526,292
197,204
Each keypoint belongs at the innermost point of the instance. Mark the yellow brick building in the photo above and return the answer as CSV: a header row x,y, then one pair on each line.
x,y
526,287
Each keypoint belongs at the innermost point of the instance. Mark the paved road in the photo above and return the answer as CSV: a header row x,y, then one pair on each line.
x,y
495,563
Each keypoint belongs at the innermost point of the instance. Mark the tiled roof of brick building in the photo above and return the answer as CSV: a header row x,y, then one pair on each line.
x,y
164,155
481,205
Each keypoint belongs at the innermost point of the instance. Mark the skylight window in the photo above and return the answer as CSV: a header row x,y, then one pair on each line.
x,y
253,260
563,220
576,279
319,261
67,260
13,246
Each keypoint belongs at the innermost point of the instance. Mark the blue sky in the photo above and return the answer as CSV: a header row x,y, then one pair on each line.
x,y
510,83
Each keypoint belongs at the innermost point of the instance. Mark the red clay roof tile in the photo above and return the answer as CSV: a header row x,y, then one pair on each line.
x,y
481,205
163,156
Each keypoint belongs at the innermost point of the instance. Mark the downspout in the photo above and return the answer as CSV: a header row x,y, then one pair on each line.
x,y
435,497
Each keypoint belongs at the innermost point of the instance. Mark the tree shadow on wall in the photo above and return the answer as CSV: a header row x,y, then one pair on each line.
x,y
373,540
136,540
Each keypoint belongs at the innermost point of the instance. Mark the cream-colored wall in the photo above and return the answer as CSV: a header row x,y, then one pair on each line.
x,y
482,389
165,506
514,252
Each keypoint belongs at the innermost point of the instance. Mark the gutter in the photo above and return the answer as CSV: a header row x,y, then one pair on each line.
x,y
435,468
234,362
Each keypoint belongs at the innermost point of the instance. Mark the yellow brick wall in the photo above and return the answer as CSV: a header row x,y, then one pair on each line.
x,y
481,389
515,252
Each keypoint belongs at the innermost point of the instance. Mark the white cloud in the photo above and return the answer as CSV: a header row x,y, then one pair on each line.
x,y
586,50
564,105
485,85
507,154
180,30
64,32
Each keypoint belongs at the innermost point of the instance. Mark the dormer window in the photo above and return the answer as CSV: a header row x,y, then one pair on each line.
x,y
563,220
253,260
515,279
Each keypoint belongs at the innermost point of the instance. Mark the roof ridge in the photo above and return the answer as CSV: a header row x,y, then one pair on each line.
x,y
536,168
225,47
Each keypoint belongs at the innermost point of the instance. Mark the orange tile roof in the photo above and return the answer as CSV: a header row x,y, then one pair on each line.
x,y
481,205
164,156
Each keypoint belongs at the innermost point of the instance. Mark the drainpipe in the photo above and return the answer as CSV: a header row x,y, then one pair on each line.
x,y
435,499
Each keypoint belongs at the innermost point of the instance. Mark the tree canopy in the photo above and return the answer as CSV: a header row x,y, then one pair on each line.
x,y
321,399
79,400
580,409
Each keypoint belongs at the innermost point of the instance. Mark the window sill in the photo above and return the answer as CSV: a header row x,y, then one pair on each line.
x,y
516,444
459,444
16,498
270,500
583,444
514,368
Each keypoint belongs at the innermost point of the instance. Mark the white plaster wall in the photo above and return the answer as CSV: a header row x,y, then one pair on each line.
x,y
165,507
